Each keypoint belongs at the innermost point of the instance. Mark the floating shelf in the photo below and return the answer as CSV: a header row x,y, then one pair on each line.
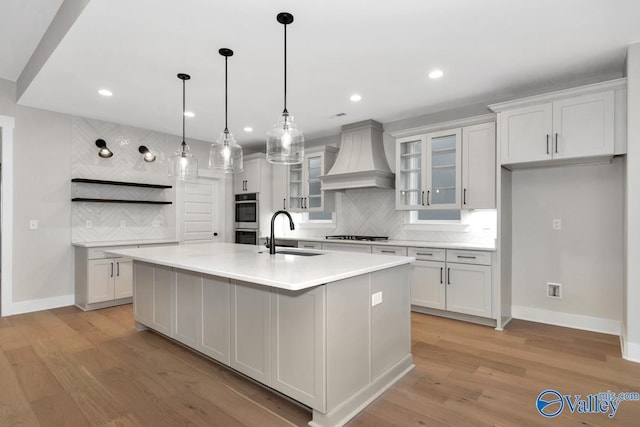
x,y
127,184
143,202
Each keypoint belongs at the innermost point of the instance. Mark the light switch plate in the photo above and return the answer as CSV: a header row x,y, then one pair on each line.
x,y
156,223
376,299
33,224
557,224
88,224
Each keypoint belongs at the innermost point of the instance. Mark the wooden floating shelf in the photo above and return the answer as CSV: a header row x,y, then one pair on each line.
x,y
127,184
143,202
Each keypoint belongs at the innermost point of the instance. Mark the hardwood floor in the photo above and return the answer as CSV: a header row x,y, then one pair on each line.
x,y
66,367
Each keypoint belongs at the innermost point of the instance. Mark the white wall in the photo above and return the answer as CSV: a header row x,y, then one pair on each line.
x,y
631,331
585,255
42,258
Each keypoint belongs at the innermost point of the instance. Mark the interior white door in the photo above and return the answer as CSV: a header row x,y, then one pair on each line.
x,y
201,211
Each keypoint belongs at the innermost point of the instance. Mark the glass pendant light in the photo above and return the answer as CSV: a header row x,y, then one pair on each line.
x,y
225,154
285,142
182,164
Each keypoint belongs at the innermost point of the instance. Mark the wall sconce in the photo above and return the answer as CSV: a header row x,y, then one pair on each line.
x,y
104,152
147,155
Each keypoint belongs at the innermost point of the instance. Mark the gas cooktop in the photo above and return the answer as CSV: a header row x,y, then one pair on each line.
x,y
355,237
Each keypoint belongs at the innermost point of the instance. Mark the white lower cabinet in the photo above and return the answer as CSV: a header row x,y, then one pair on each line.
x,y
347,247
110,278
457,281
216,294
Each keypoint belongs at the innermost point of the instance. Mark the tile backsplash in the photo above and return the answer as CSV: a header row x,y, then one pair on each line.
x,y
92,222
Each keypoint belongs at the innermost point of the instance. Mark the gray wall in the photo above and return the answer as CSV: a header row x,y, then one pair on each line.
x,y
586,255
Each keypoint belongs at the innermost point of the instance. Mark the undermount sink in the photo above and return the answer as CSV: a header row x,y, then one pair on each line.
x,y
301,253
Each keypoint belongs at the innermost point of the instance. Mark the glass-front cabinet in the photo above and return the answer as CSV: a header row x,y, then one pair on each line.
x,y
428,171
304,193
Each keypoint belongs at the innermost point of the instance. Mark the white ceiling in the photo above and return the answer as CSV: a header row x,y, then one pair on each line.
x,y
488,50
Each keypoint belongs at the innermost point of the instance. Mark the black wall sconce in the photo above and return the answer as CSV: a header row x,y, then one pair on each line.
x,y
147,155
104,152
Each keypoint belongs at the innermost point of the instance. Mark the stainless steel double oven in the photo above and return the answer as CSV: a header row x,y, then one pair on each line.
x,y
247,218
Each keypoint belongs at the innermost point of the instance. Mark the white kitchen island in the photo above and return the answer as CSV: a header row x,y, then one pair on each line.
x,y
309,327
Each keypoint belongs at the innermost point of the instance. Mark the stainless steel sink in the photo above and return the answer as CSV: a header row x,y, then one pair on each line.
x,y
301,253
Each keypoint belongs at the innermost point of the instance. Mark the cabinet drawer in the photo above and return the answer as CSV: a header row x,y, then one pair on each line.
x,y
347,247
469,257
309,245
100,253
389,250
427,254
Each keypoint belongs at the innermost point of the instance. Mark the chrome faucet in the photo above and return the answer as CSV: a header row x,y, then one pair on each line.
x,y
272,240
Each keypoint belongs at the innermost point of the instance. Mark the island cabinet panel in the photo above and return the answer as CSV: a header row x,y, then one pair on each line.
x,y
143,293
390,321
251,330
215,318
299,345
188,302
163,311
348,338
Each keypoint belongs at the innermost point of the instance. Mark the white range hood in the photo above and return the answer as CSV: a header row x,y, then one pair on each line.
x,y
361,162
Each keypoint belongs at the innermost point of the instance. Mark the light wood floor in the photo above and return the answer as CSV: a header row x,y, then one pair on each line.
x,y
66,367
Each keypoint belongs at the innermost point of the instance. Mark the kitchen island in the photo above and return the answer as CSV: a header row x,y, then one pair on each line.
x,y
330,330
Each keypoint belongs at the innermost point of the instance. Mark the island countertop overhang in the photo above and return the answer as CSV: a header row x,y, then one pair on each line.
x,y
254,264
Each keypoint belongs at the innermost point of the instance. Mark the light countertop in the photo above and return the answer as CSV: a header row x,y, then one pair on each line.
x,y
123,243
254,264
408,243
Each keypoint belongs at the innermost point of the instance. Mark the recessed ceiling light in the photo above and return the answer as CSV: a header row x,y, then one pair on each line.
x,y
248,129
355,97
436,74
105,92
189,114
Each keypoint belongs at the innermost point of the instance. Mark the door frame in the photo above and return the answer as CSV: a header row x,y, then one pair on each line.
x,y
7,125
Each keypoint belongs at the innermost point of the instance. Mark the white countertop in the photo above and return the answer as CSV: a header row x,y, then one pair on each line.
x,y
254,264
123,243
409,243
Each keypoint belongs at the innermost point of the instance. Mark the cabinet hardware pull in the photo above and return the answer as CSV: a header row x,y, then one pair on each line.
x,y
441,275
111,269
118,269
387,252
284,203
308,246
422,201
423,253
556,142
428,193
466,256
547,143
448,276
464,196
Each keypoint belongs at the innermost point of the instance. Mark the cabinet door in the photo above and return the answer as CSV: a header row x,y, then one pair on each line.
x,y
525,134
100,281
123,284
295,188
410,172
443,169
163,299
469,289
251,330
215,318
479,166
314,169
279,187
298,345
187,308
583,126
240,180
252,171
143,290
428,287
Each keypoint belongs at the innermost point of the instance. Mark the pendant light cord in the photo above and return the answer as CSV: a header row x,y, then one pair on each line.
x,y
183,111
285,69
226,128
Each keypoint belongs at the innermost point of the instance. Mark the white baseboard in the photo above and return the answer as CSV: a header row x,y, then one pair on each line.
x,y
630,350
41,304
569,320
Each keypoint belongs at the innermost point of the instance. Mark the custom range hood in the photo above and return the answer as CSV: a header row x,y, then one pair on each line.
x,y
361,162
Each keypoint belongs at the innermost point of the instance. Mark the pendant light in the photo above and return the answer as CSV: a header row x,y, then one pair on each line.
x,y
285,142
182,164
225,154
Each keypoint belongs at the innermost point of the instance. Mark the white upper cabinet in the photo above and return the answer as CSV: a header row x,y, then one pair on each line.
x,y
279,187
304,191
447,169
249,180
572,126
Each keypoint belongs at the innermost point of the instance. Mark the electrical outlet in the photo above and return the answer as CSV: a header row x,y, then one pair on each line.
x,y
376,299
156,223
33,224
557,224
554,290
88,224
123,224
